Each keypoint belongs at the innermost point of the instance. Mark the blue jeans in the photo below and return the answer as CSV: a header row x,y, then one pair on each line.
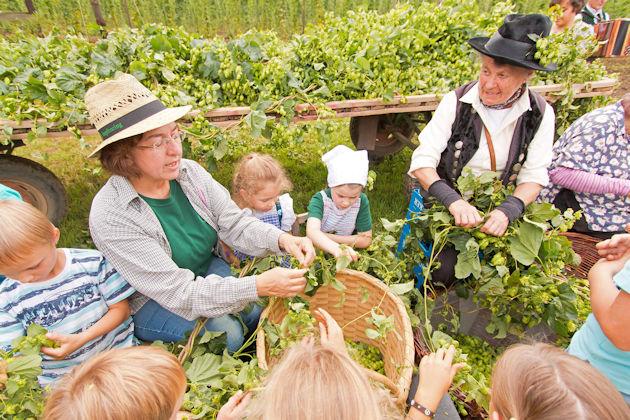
x,y
152,322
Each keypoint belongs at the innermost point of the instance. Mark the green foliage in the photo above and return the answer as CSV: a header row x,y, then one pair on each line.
x,y
212,373
367,356
362,54
570,53
22,397
210,17
298,323
518,276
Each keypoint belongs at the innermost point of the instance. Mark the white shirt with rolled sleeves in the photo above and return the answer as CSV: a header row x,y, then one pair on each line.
x,y
500,123
128,233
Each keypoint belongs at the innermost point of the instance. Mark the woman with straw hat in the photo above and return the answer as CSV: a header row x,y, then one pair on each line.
x,y
159,217
492,124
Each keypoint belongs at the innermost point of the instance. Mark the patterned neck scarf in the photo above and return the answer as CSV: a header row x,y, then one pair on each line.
x,y
510,101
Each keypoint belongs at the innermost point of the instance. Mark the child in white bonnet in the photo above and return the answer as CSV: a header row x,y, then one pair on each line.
x,y
340,214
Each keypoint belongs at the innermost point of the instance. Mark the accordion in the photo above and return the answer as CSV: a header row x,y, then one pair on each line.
x,y
614,38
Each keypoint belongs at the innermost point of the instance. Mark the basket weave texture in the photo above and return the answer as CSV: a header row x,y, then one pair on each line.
x,y
398,354
584,246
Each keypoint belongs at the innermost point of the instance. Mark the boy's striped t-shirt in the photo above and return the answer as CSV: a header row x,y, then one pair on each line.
x,y
69,303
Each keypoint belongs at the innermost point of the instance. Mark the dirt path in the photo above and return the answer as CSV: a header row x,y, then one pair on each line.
x,y
621,66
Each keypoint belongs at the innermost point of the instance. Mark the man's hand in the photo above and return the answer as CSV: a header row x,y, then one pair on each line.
x,y
68,343
465,214
281,282
300,247
496,224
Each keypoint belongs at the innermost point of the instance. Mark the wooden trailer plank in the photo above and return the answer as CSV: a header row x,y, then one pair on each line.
x,y
228,116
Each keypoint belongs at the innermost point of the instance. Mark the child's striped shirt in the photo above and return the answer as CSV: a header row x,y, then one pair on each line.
x,y
68,303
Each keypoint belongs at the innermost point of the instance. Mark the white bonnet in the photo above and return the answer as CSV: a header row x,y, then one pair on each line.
x,y
346,166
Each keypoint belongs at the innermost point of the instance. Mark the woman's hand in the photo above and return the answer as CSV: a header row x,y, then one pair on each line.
x,y
496,224
465,214
330,331
68,343
281,282
300,247
436,376
615,247
235,408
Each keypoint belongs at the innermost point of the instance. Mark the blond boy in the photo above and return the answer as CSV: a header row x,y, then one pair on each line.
x,y
140,383
75,294
341,213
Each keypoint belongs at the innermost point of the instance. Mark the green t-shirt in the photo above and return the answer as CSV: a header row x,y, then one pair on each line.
x,y
190,237
364,218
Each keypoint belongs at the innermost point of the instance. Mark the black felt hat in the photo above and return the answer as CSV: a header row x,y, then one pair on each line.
x,y
513,43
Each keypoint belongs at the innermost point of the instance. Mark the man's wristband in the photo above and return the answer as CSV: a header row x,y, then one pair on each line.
x,y
443,192
512,207
422,409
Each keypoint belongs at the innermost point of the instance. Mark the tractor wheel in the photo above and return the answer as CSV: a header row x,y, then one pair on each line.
x,y
36,184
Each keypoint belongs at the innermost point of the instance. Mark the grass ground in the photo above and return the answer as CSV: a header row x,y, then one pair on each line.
x,y
82,177
621,66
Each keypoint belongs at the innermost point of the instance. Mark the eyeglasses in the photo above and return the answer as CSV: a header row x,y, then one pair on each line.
x,y
177,138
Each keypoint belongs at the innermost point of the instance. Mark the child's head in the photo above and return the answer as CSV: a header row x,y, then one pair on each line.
x,y
345,195
569,9
540,381
258,180
319,382
597,4
27,242
347,174
139,383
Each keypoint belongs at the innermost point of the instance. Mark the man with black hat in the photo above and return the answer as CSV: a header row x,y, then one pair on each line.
x,y
495,123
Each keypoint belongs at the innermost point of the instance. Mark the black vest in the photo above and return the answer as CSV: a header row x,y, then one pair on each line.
x,y
591,19
466,133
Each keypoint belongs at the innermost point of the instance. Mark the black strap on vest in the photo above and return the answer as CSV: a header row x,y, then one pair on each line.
x,y
466,135
588,17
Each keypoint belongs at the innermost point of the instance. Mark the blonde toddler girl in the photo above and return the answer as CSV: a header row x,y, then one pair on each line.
x,y
258,181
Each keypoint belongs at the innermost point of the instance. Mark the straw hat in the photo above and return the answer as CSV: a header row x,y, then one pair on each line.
x,y
123,107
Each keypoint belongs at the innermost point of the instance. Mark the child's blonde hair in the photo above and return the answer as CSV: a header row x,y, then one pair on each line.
x,y
23,228
540,381
254,169
316,382
139,383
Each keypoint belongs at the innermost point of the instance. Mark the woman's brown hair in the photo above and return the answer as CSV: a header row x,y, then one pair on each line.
x,y
116,157
540,381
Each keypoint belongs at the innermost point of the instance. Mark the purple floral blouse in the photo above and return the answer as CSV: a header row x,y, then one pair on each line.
x,y
596,143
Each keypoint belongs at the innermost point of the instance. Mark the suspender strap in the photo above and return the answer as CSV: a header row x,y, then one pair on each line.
x,y
493,160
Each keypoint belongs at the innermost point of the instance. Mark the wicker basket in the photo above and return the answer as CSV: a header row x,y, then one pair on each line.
x,y
398,355
584,246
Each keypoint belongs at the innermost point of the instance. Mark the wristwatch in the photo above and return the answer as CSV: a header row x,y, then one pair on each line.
x,y
422,409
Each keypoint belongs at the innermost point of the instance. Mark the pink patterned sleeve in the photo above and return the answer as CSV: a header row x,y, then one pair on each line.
x,y
587,182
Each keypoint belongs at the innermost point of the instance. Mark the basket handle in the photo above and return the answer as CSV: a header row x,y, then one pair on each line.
x,y
375,376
